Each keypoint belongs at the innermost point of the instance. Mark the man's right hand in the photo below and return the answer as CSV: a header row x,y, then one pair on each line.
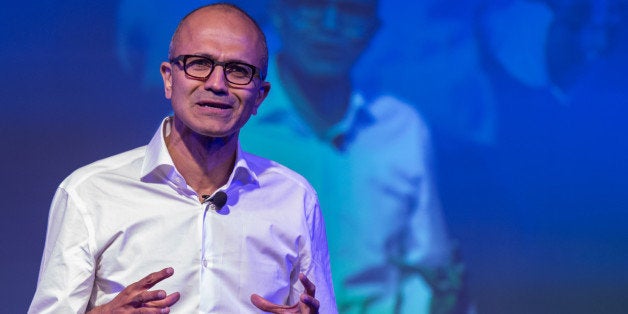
x,y
136,298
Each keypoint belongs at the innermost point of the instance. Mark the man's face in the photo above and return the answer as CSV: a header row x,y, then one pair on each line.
x,y
325,37
214,107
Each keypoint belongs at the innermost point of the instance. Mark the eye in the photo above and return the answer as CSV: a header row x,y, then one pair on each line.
x,y
239,70
199,63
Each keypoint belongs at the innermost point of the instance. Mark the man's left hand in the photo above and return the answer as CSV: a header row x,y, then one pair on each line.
x,y
307,302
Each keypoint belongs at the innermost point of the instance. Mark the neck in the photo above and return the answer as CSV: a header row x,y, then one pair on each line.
x,y
321,101
204,162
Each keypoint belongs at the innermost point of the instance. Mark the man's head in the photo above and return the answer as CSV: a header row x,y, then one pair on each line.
x,y
325,37
216,69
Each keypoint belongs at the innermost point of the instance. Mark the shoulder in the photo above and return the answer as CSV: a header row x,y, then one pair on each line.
x,y
392,111
269,171
104,166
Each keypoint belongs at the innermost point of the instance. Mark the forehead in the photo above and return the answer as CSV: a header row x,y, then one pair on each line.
x,y
220,34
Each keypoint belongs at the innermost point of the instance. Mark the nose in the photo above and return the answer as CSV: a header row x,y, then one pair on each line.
x,y
216,81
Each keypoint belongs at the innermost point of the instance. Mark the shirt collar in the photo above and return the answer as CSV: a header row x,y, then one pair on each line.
x,y
242,171
278,109
158,165
157,162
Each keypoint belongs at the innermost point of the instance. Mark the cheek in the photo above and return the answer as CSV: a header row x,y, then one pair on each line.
x,y
248,103
246,97
181,94
180,102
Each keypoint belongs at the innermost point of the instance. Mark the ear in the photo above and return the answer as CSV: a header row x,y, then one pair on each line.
x,y
262,92
166,75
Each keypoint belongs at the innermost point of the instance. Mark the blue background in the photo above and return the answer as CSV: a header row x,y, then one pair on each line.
x,y
527,101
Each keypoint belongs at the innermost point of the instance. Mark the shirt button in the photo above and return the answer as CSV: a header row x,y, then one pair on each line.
x,y
205,263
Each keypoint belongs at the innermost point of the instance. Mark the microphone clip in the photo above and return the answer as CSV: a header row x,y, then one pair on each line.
x,y
217,201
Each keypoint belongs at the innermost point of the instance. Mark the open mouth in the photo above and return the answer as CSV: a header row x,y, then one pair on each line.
x,y
215,105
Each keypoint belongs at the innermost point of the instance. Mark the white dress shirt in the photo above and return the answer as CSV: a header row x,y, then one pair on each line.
x,y
117,220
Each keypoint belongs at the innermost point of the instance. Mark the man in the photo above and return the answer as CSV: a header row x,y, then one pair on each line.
x,y
367,158
230,231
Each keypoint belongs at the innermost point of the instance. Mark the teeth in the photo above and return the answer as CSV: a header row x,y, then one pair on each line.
x,y
215,106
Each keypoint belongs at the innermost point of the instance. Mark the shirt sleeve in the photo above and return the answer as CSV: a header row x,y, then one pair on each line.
x,y
430,244
66,274
319,270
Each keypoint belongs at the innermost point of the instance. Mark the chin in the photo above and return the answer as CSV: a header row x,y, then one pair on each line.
x,y
216,134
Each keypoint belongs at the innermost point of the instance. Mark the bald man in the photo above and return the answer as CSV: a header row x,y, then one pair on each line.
x,y
191,223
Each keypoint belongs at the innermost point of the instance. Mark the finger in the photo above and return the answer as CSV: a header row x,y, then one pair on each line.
x,y
147,296
154,278
310,288
310,301
268,306
165,302
145,310
261,303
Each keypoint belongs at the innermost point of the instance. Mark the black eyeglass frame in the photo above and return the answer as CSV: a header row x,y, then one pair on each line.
x,y
183,59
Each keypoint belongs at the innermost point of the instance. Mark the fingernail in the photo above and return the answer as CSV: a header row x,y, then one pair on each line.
x,y
169,271
161,294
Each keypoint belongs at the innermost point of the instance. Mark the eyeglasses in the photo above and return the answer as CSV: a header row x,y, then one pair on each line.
x,y
201,67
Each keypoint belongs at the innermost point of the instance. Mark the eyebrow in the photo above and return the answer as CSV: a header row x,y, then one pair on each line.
x,y
214,58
